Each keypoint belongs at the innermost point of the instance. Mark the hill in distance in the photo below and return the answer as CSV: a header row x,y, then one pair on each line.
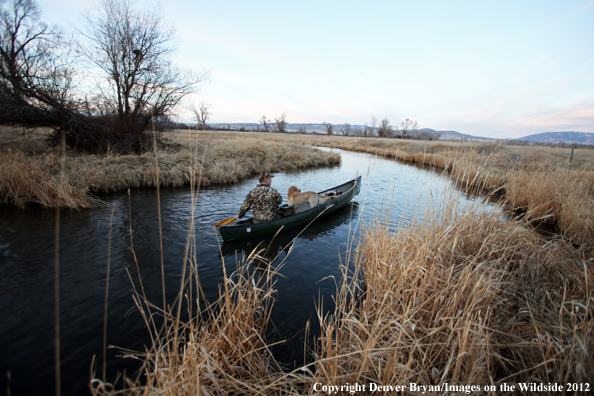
x,y
561,137
453,135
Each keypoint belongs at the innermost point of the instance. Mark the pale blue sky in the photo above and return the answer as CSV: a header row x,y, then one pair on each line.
x,y
502,69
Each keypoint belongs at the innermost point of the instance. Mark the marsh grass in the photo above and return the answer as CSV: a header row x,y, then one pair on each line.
x,y
461,296
469,299
26,181
223,350
533,180
34,179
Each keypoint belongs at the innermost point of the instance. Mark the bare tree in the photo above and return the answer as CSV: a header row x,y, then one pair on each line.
x,y
346,130
373,124
302,129
265,122
280,124
385,129
329,128
202,114
408,128
131,49
35,75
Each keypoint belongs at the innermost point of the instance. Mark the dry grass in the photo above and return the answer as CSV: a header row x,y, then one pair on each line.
x,y
40,181
471,299
533,180
219,352
464,297
36,177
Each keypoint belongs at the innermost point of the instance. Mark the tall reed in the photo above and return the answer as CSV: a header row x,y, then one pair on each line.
x,y
221,351
467,298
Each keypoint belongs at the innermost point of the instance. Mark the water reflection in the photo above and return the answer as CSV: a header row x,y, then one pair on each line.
x,y
266,253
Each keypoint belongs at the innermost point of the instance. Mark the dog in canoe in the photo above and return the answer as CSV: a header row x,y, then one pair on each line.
x,y
296,198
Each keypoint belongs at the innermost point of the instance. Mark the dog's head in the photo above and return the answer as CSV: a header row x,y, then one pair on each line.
x,y
294,190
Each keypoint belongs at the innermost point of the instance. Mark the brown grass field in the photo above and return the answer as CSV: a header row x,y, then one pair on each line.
x,y
474,299
33,174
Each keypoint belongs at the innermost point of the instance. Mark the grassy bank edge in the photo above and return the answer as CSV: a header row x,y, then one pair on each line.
x,y
69,179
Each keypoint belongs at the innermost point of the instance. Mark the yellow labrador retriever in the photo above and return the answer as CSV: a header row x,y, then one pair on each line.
x,y
296,198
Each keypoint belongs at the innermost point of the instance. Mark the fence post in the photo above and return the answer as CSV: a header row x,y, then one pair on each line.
x,y
571,159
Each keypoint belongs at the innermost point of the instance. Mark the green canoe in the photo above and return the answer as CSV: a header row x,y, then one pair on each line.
x,y
246,228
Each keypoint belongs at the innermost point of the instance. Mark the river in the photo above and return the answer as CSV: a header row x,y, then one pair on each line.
x,y
311,272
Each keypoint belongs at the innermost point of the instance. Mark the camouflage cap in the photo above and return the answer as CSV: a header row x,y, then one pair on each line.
x,y
264,175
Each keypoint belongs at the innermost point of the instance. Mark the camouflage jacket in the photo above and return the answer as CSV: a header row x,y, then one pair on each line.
x,y
264,200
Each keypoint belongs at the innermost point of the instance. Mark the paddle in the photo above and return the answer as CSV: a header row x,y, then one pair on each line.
x,y
225,222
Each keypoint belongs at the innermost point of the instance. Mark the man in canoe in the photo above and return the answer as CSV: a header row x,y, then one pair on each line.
x,y
263,199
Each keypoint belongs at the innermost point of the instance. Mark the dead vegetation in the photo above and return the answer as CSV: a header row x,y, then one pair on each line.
x,y
32,174
535,181
469,299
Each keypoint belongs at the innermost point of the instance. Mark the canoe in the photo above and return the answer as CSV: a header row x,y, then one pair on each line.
x,y
246,228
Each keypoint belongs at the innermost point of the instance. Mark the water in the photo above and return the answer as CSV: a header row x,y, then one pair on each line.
x,y
311,271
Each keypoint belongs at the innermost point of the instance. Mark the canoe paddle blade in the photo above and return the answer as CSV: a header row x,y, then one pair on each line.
x,y
225,222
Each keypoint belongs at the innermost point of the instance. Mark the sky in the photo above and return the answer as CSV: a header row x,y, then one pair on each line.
x,y
499,69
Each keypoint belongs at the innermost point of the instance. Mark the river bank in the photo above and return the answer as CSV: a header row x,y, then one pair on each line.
x,y
31,173
544,185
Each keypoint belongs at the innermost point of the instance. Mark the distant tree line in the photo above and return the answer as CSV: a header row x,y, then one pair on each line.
x,y
101,90
409,129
